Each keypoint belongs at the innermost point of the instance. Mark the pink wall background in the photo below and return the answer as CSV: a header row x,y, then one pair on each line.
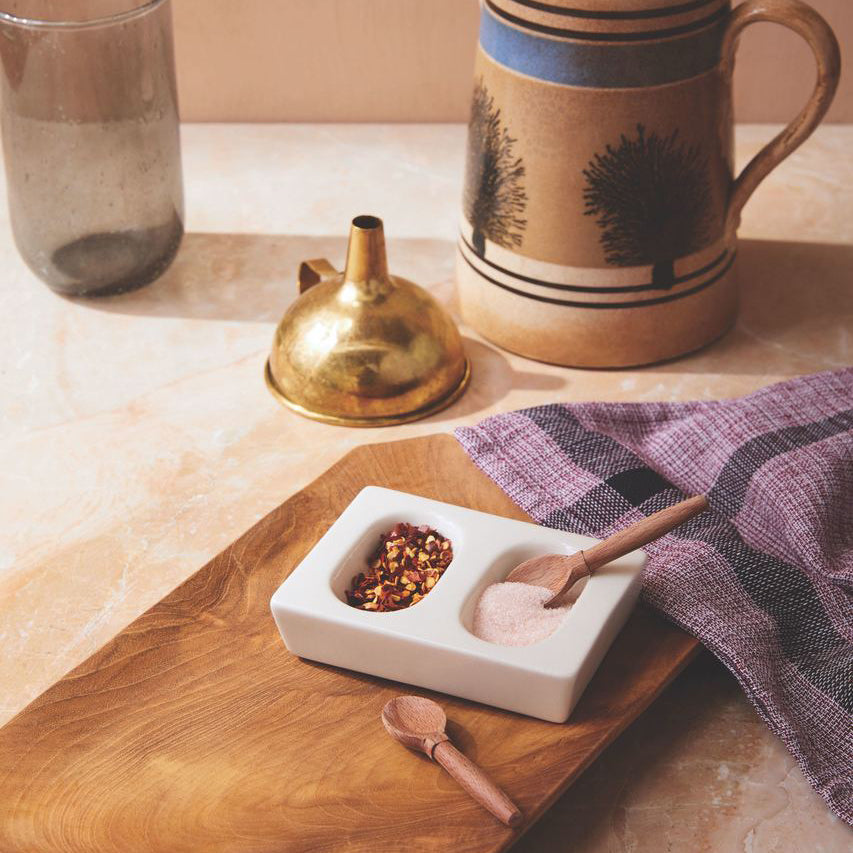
x,y
411,60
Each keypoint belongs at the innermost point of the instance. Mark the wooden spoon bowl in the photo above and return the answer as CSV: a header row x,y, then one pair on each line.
x,y
558,573
416,722
419,724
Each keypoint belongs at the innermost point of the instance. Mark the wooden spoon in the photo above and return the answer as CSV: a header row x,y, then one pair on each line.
x,y
559,573
419,724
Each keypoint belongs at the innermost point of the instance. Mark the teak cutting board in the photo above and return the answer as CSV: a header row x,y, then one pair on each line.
x,y
195,730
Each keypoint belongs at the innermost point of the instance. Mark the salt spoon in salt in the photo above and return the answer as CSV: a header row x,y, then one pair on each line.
x,y
558,573
419,723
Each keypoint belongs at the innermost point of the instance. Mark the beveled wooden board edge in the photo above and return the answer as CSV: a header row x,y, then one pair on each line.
x,y
330,473
688,652
684,647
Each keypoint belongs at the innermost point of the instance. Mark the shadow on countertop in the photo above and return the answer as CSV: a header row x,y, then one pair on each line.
x,y
796,313
252,277
699,770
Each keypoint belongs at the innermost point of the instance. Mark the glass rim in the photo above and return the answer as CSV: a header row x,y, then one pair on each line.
x,y
101,21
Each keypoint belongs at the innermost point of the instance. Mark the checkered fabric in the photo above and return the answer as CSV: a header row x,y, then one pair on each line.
x,y
764,580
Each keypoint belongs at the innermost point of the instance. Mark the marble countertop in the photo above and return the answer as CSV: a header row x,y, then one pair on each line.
x,y
137,438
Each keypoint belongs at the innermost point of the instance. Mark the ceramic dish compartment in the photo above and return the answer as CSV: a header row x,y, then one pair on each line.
x,y
356,559
505,563
430,644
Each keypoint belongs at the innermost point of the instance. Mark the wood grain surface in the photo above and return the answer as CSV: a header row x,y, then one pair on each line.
x,y
195,730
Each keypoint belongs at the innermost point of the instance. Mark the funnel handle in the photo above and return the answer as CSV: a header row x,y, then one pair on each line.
x,y
313,272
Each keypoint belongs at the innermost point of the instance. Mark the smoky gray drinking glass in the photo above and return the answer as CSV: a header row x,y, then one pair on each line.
x,y
91,140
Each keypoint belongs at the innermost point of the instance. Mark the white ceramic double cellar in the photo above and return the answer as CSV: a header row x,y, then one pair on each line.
x,y
430,644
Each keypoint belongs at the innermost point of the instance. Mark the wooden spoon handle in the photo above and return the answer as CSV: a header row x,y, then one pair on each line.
x,y
643,532
474,780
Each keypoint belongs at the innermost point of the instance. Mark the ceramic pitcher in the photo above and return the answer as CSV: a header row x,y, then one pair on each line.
x,y
600,206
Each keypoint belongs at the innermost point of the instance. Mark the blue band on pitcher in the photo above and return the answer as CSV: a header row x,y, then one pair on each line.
x,y
581,59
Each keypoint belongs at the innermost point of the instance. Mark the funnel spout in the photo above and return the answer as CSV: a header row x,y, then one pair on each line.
x,y
366,259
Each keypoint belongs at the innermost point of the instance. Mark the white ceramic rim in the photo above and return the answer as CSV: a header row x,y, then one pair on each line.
x,y
103,21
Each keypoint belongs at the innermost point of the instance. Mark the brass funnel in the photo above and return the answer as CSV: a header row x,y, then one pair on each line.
x,y
362,347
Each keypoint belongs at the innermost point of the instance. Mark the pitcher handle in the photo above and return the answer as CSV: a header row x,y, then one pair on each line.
x,y
802,19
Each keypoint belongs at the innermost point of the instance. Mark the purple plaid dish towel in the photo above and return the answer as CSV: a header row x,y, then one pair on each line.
x,y
764,580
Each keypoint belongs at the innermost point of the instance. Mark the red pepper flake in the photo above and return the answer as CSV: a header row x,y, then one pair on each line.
x,y
406,565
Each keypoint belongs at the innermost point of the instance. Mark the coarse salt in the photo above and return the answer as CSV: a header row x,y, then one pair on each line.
x,y
514,614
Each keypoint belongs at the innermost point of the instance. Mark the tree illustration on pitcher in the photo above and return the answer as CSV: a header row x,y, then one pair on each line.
x,y
494,200
652,197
